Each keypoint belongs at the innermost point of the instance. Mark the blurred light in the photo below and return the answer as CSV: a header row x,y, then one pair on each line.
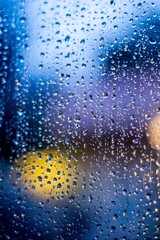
x,y
48,173
154,132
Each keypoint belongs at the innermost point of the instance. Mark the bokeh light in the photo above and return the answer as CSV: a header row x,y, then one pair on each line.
x,y
154,132
48,173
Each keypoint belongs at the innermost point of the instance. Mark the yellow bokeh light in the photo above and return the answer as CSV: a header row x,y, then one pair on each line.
x,y
48,173
154,132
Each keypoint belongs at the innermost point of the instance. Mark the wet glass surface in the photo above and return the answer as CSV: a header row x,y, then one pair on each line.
x,y
79,119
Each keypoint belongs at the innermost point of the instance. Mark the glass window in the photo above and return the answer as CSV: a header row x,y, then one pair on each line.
x,y
79,119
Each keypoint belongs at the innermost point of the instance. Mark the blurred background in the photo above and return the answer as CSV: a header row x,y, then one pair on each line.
x,y
79,119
